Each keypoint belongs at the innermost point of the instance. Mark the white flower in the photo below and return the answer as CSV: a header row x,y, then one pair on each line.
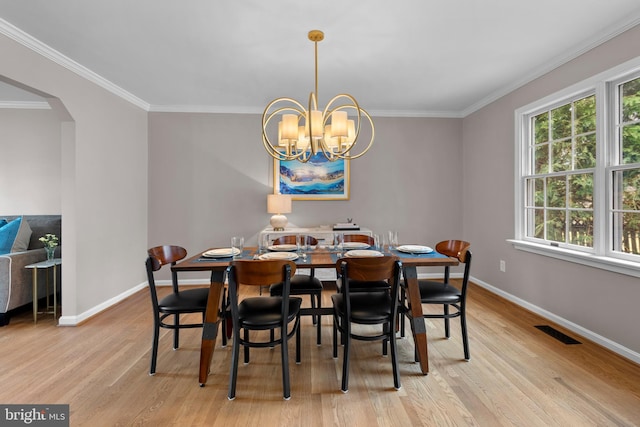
x,y
49,240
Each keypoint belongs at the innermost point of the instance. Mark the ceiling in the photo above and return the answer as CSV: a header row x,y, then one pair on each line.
x,y
406,58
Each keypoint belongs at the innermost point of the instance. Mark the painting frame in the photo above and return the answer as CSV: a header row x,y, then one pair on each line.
x,y
318,186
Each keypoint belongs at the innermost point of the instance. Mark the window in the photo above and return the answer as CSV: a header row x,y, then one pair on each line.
x,y
578,172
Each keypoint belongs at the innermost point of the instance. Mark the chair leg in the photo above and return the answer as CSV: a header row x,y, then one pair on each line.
x,y
246,347
298,341
345,359
233,375
312,297
154,348
319,321
335,338
176,331
465,338
447,333
286,391
385,330
394,359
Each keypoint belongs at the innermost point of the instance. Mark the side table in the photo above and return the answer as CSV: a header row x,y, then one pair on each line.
x,y
45,265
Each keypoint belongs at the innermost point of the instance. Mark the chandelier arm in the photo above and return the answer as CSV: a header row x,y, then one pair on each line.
x,y
266,118
373,131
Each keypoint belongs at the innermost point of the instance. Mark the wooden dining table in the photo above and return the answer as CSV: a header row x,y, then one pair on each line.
x,y
317,258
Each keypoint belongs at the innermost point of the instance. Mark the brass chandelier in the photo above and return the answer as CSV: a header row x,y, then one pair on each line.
x,y
302,133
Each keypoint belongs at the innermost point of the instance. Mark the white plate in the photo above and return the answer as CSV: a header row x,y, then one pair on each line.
x,y
289,256
415,249
363,253
355,245
221,253
283,248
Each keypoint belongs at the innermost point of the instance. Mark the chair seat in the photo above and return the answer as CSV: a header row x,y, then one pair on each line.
x,y
300,284
265,313
438,293
368,308
191,300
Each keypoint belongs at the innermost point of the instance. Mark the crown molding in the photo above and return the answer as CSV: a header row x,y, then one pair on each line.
x,y
584,47
46,51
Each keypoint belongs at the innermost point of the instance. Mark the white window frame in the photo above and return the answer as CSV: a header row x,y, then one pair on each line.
x,y
600,256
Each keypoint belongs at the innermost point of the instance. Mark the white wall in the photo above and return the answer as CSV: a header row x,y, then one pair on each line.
x,y
30,162
104,182
601,302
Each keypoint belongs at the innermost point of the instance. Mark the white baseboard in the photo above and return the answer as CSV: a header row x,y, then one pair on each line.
x,y
590,335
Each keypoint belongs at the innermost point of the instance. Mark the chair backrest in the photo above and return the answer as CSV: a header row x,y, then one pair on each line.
x,y
163,255
291,240
361,238
370,269
260,272
456,249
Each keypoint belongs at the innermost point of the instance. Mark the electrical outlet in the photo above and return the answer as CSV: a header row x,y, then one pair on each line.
x,y
503,266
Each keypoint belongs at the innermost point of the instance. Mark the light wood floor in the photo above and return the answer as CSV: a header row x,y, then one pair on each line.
x,y
517,376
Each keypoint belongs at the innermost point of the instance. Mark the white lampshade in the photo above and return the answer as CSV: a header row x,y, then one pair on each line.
x,y
278,204
289,127
339,123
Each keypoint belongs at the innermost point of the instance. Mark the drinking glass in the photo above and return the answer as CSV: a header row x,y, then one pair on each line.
x,y
237,242
338,238
263,243
377,243
393,239
302,244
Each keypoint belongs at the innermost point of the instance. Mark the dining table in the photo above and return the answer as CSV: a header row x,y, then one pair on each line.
x,y
313,258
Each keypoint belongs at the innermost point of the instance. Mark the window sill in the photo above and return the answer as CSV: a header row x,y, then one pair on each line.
x,y
605,263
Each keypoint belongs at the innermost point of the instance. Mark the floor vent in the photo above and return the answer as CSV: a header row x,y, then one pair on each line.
x,y
565,339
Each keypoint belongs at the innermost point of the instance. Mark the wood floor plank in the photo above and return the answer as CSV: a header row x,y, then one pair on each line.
x,y
517,375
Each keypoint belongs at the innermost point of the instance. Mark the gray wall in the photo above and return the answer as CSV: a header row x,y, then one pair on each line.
x,y
209,177
599,301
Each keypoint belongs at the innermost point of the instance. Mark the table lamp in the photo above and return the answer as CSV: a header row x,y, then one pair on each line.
x,y
278,204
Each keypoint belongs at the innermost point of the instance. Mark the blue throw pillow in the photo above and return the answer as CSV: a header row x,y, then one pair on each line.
x,y
13,236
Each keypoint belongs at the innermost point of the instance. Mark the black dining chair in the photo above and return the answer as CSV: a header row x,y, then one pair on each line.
x,y
303,284
175,304
367,308
263,313
357,286
445,294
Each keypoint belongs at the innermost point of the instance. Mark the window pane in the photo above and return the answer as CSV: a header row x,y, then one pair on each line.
x,y
541,127
581,191
631,100
631,189
539,197
627,233
581,228
561,160
535,223
631,144
555,225
585,115
561,122
585,151
542,158
556,192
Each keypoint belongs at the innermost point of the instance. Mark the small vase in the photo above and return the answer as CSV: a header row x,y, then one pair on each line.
x,y
50,252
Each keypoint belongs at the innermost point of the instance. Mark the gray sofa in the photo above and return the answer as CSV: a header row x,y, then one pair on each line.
x,y
16,281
